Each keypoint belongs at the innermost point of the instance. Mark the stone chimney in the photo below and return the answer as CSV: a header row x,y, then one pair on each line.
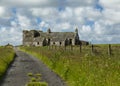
x,y
49,31
76,30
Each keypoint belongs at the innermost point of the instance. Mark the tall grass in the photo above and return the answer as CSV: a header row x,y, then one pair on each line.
x,y
6,57
82,69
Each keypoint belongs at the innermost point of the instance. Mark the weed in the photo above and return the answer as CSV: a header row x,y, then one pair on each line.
x,y
35,80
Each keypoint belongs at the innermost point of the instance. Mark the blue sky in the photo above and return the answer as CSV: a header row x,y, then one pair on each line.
x,y
98,21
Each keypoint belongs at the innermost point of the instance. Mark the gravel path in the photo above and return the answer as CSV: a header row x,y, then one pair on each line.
x,y
24,64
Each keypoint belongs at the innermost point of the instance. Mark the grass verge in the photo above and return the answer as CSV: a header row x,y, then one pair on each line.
x,y
82,69
7,55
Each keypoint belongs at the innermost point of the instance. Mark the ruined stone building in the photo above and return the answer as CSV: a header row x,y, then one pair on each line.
x,y
40,38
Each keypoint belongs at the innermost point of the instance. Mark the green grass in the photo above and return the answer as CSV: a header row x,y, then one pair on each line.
x,y
6,57
82,69
35,80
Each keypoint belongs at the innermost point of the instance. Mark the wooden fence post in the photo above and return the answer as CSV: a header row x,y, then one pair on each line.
x,y
48,47
109,49
92,49
80,48
60,47
52,47
55,47
71,47
65,47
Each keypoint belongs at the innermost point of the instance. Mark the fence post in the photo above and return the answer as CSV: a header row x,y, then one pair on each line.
x,y
65,47
109,49
52,47
48,47
71,47
55,47
59,47
80,48
92,49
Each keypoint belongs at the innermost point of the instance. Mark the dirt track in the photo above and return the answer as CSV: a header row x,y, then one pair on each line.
x,y
24,64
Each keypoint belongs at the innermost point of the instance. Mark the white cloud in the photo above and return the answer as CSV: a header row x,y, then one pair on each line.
x,y
11,35
78,3
24,22
44,12
111,4
63,26
2,11
29,3
97,26
78,11
86,29
43,24
97,29
13,24
81,14
67,13
86,33
47,3
5,12
111,16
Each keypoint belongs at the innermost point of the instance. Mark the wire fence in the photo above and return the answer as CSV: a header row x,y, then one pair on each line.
x,y
108,49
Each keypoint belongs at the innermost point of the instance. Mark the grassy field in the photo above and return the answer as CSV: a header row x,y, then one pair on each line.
x,y
6,57
84,68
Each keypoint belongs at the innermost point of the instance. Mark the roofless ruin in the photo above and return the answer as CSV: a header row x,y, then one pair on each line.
x,y
40,38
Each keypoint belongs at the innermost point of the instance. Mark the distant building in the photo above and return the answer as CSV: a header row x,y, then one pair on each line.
x,y
9,45
40,38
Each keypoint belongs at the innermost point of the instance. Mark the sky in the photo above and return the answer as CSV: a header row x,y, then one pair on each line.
x,y
98,21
